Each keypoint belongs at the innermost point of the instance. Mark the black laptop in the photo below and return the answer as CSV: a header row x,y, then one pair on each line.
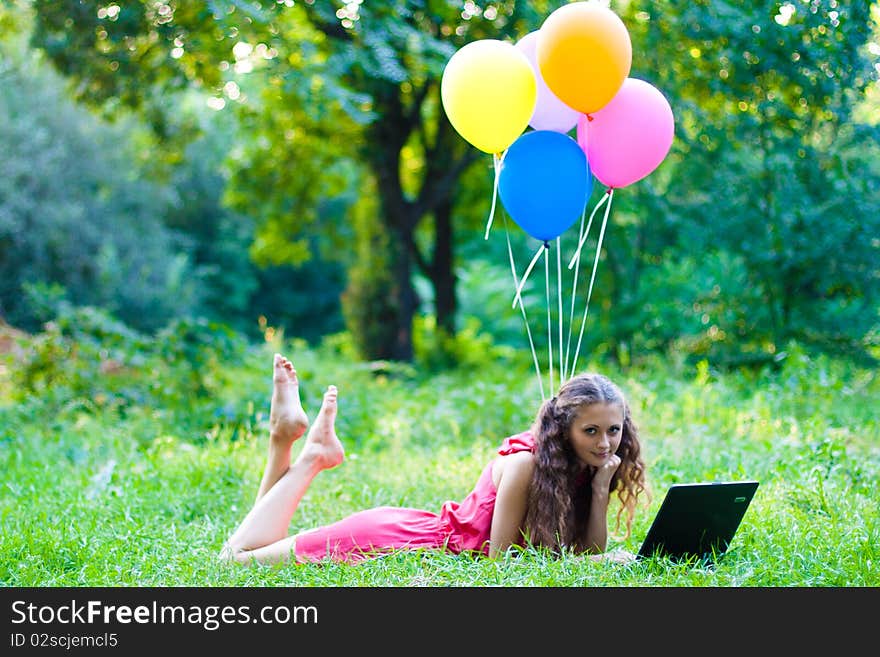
x,y
697,521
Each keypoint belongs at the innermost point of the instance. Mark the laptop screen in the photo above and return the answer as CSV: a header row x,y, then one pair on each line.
x,y
698,520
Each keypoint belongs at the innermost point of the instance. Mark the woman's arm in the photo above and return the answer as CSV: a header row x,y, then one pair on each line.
x,y
595,538
511,502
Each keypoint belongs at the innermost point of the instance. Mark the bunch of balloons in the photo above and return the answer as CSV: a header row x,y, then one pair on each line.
x,y
521,102
569,75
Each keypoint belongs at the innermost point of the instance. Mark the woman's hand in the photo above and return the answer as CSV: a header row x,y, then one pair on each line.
x,y
596,535
615,556
603,474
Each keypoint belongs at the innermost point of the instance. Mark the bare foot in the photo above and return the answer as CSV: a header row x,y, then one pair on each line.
x,y
322,447
287,419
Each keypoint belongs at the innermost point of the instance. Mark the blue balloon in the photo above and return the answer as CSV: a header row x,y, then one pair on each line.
x,y
545,183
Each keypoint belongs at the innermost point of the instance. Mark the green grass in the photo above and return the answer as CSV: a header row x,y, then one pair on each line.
x,y
102,492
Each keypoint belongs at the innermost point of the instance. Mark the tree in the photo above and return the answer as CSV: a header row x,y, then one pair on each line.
x,y
773,180
77,219
364,77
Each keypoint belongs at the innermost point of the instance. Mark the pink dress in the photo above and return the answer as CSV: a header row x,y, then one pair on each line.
x,y
459,527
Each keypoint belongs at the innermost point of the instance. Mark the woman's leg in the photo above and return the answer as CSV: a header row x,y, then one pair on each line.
x,y
262,535
287,422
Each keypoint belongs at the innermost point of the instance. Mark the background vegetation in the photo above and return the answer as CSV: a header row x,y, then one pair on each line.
x,y
187,187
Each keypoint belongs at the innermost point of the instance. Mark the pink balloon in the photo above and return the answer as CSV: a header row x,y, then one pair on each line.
x,y
550,112
631,135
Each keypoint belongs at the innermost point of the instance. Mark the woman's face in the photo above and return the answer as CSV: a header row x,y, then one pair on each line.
x,y
595,432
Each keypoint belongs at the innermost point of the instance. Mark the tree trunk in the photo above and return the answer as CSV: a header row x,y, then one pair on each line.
x,y
446,160
397,218
403,298
442,272
446,163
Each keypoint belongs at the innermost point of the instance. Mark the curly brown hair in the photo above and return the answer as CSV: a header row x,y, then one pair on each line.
x,y
560,492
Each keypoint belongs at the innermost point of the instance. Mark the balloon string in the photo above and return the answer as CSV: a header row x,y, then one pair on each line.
x,y
574,292
559,295
546,249
583,237
496,164
593,277
523,309
518,297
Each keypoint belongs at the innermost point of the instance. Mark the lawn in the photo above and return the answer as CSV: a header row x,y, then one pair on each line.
x,y
115,473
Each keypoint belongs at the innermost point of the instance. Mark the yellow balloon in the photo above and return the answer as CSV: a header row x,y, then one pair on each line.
x,y
489,92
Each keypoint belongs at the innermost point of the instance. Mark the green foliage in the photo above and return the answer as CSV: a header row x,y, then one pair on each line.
x,y
780,177
214,237
79,355
759,228
303,301
247,271
704,307
86,358
335,93
470,348
153,237
486,292
75,212
196,350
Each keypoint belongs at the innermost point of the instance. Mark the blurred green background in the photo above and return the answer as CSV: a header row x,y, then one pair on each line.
x,y
264,167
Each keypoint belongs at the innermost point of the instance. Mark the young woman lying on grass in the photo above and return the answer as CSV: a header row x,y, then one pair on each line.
x,y
548,487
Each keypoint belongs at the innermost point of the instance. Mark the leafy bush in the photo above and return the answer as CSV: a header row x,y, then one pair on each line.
x,y
470,348
81,353
86,354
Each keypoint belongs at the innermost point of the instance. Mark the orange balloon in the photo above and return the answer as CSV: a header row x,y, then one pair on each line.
x,y
584,53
